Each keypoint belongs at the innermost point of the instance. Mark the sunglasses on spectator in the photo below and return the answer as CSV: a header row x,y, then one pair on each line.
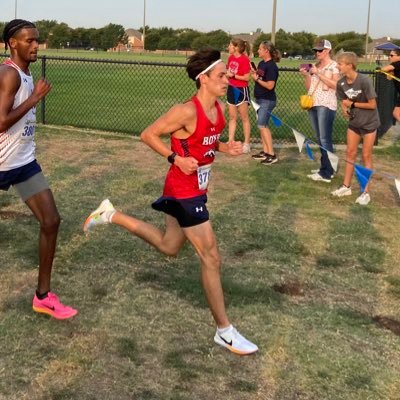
x,y
319,51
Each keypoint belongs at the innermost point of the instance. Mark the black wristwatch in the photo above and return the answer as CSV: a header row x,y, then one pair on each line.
x,y
352,104
171,158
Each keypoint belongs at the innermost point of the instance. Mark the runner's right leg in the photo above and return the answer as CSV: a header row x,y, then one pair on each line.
x,y
168,242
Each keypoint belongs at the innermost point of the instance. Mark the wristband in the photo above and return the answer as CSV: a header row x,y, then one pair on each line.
x,y
352,104
171,158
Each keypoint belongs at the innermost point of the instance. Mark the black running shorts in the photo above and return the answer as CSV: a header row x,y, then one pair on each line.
x,y
188,212
237,95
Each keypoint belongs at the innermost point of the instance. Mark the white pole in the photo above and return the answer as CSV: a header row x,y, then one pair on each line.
x,y
15,14
144,22
367,35
273,23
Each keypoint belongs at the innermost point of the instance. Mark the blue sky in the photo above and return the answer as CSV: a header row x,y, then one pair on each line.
x,y
234,16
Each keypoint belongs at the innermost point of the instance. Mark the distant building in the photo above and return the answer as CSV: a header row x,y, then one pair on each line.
x,y
135,42
374,55
135,39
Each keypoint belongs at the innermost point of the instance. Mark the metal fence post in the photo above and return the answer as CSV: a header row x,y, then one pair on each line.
x,y
385,99
43,101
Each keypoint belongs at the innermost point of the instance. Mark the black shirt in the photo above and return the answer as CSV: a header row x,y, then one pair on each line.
x,y
268,71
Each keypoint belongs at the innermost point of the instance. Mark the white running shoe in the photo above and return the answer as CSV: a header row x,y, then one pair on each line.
x,y
317,177
246,148
102,215
235,342
363,199
342,191
316,171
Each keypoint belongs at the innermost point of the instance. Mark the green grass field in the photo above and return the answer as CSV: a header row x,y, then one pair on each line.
x,y
314,281
167,57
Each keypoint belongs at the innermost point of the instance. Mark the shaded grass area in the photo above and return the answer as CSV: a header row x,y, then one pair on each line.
x,y
314,281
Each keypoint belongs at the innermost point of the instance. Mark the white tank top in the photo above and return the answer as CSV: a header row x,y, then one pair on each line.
x,y
17,145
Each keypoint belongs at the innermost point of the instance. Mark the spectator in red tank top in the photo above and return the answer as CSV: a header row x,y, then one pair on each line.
x,y
238,95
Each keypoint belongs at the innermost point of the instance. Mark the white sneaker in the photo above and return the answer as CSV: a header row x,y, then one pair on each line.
x,y
102,215
246,148
316,171
235,342
317,177
342,191
363,199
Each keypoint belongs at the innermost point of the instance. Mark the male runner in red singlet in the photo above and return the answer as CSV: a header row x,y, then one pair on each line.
x,y
18,166
196,127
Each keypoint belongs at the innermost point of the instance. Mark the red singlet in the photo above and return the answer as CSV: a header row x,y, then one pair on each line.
x,y
200,145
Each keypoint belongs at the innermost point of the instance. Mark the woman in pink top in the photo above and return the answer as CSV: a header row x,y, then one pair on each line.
x,y
238,71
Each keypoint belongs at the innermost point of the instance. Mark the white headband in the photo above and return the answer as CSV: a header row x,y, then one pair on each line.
x,y
208,68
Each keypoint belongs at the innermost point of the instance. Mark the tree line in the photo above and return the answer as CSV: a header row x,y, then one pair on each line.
x,y
60,35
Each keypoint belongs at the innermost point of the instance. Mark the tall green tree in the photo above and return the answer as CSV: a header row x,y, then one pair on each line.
x,y
354,45
186,37
60,36
152,40
201,42
168,43
111,35
218,39
81,38
45,29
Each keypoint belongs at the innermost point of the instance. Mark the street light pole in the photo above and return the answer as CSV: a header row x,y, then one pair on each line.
x,y
273,23
15,14
367,35
144,22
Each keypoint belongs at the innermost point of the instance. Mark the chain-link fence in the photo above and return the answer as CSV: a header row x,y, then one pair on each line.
x,y
126,96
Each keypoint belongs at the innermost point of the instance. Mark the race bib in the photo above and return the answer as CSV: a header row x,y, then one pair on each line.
x,y
203,176
28,131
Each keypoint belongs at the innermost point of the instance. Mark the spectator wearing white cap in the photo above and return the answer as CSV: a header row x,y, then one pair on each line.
x,y
320,81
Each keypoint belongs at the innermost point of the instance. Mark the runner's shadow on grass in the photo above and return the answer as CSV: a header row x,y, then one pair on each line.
x,y
18,239
185,283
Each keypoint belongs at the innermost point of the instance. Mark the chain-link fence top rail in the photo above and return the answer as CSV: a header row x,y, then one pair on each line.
x,y
126,96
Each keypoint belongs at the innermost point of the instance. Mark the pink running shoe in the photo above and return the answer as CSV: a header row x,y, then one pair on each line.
x,y
52,306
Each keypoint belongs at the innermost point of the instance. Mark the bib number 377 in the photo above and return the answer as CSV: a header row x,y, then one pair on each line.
x,y
203,176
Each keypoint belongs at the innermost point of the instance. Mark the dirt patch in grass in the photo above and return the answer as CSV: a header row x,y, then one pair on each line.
x,y
5,214
293,288
388,323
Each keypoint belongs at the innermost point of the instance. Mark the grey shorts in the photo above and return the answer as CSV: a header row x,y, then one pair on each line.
x,y
34,185
361,131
